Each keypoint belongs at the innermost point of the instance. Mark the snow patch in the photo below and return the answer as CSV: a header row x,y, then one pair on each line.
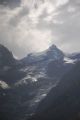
x,y
3,85
68,60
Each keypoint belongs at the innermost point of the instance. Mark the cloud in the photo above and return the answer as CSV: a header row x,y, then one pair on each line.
x,y
34,24
10,3
23,37
29,41
62,2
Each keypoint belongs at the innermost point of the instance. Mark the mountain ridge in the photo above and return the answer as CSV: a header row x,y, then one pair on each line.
x,y
26,83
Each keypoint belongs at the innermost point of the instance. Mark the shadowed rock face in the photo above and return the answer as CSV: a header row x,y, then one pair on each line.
x,y
63,101
9,71
6,57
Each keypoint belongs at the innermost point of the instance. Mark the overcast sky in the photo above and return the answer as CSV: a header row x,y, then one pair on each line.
x,y
32,25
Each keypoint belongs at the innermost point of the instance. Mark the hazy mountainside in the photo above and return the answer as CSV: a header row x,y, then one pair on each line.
x,y
63,101
24,83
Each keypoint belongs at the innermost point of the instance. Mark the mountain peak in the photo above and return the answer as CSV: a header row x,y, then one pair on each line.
x,y
6,57
52,53
52,47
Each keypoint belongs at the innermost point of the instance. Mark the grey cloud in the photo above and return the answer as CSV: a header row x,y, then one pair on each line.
x,y
66,35
15,20
10,3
